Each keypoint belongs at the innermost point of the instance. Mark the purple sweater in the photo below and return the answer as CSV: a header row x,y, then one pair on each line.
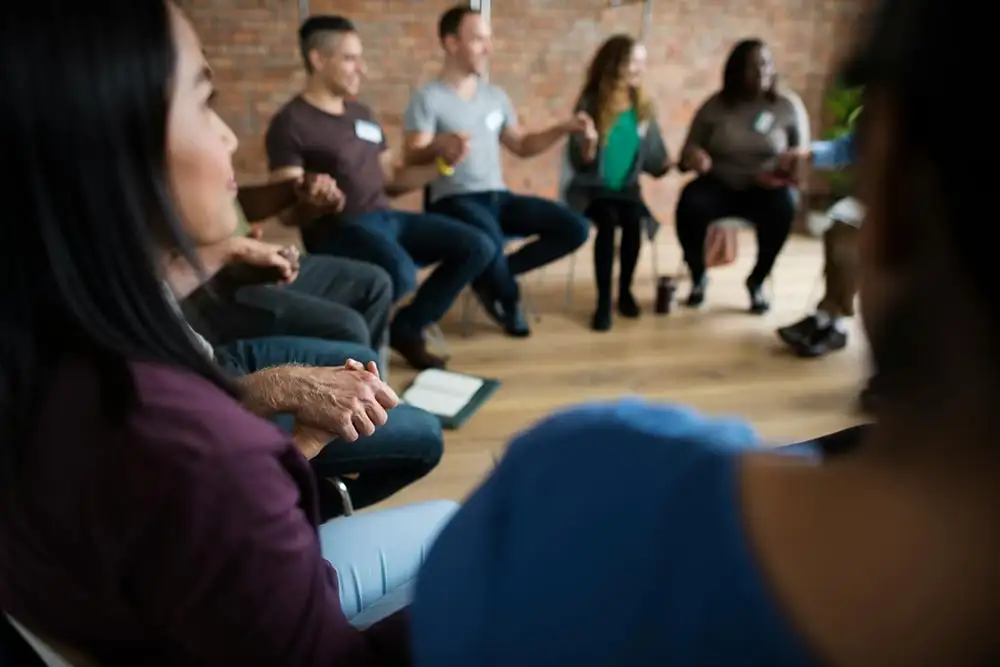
x,y
186,536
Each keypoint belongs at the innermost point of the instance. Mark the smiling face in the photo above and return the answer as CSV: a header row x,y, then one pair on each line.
x,y
200,145
472,47
340,63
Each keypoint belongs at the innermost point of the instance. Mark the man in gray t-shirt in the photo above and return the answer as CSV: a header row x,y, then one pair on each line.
x,y
461,115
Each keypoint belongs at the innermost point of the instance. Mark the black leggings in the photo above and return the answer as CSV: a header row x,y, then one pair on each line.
x,y
609,215
706,199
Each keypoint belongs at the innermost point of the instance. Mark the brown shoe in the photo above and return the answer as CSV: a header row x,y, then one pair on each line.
x,y
416,354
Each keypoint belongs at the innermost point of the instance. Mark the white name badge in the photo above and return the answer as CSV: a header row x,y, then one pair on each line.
x,y
764,122
494,121
368,131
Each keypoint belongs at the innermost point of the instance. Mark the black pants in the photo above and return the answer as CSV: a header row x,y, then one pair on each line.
x,y
332,298
707,199
610,215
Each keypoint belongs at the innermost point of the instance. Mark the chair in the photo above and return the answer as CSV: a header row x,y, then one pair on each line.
x,y
737,224
653,259
344,493
50,653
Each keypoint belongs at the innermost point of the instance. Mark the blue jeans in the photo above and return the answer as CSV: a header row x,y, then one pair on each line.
x,y
401,243
399,453
377,555
558,231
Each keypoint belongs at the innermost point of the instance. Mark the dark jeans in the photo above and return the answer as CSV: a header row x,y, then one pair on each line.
x,y
609,215
558,231
332,298
408,447
706,199
401,243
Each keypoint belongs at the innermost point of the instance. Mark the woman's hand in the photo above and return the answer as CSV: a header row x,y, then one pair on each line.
x,y
698,160
321,192
264,255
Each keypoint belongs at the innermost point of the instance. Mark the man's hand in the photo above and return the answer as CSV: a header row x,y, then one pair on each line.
x,y
320,191
452,147
348,401
283,259
698,160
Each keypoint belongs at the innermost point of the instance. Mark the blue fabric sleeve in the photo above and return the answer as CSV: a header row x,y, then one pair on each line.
x,y
834,154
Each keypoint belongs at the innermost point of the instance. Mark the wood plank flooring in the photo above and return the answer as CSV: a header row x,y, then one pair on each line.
x,y
719,359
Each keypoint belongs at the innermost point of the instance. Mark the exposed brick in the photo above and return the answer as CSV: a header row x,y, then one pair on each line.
x,y
542,47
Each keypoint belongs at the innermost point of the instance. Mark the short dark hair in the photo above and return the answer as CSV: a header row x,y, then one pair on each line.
x,y
315,31
451,20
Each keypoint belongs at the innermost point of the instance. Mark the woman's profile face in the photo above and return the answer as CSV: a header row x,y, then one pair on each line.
x,y
760,70
636,66
200,145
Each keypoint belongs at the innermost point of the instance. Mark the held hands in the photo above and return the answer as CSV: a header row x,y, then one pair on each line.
x,y
581,123
452,147
698,160
346,402
320,191
283,259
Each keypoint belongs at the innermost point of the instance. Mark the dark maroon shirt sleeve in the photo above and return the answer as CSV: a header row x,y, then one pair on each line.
x,y
228,560
284,149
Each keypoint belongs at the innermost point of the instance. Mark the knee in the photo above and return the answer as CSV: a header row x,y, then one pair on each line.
x,y
380,283
403,280
423,435
352,329
577,230
694,206
481,250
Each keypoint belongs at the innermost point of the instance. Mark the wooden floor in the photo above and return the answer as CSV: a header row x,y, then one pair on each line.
x,y
720,359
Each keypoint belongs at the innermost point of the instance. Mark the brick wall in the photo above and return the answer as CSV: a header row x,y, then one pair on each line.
x,y
542,47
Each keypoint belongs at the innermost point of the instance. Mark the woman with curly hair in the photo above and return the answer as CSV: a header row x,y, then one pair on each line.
x,y
604,183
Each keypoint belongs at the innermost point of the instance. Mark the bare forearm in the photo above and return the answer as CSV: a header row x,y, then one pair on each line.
x,y
302,214
408,179
272,391
267,200
535,143
421,155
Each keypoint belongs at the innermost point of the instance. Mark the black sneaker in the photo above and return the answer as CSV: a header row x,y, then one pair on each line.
x,y
697,295
490,304
758,302
800,332
513,321
821,342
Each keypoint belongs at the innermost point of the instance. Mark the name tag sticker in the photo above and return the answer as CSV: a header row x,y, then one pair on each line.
x,y
368,131
764,122
494,121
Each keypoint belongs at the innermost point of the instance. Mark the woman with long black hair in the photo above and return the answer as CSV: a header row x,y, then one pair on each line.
x,y
146,517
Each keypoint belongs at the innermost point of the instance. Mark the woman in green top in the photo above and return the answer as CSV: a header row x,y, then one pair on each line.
x,y
604,183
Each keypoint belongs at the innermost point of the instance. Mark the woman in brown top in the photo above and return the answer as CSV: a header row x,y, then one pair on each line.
x,y
733,145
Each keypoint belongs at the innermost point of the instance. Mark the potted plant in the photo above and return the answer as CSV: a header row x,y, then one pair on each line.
x,y
843,107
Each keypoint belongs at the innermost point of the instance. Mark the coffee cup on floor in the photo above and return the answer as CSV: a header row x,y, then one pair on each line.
x,y
665,289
